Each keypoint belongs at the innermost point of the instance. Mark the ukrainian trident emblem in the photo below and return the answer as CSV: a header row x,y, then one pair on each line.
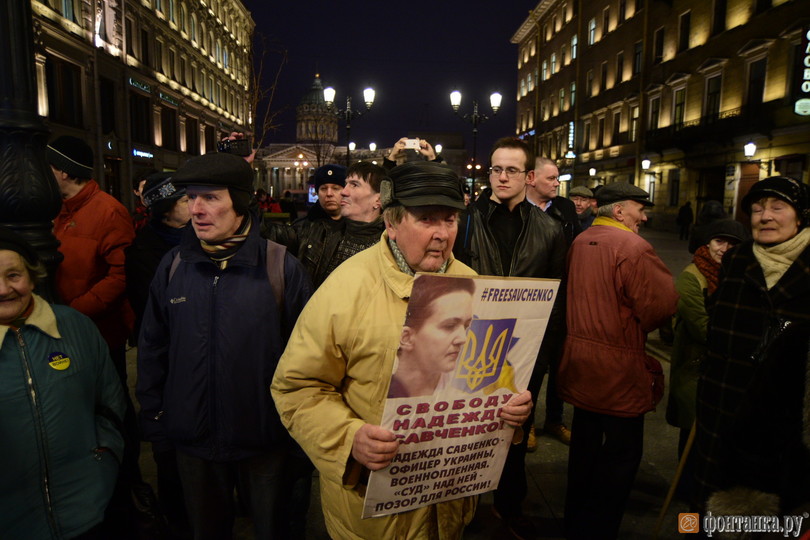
x,y
483,357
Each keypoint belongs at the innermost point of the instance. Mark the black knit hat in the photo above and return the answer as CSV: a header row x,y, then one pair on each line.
x,y
215,169
422,183
72,156
329,174
724,228
785,188
159,187
12,241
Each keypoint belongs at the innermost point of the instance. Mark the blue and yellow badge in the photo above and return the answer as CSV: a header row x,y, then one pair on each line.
x,y
59,361
483,364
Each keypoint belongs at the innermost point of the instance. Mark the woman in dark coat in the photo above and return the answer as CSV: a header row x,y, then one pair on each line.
x,y
753,432
168,215
695,284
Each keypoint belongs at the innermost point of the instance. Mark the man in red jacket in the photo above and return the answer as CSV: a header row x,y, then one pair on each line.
x,y
618,290
94,229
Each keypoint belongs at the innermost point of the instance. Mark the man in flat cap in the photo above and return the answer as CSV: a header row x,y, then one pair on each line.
x,y
332,381
582,198
220,309
618,290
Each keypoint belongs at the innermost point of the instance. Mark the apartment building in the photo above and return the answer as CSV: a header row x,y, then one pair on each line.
x,y
691,100
148,83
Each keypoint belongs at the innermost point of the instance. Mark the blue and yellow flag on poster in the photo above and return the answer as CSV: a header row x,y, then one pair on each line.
x,y
468,345
483,363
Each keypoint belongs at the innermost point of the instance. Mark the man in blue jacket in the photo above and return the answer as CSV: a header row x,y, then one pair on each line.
x,y
220,309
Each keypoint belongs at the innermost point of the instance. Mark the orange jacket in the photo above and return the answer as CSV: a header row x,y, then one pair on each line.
x,y
94,229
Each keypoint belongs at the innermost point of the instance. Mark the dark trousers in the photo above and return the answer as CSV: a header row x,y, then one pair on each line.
x,y
602,463
266,486
512,488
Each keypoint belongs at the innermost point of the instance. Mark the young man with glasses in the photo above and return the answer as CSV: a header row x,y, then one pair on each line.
x,y
503,234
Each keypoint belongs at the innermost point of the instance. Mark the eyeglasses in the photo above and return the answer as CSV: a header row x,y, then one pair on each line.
x,y
511,172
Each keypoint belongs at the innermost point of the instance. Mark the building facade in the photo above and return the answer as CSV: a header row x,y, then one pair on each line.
x,y
148,83
691,100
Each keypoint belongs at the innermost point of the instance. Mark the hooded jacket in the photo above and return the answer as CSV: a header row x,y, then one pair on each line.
x,y
333,379
210,341
60,403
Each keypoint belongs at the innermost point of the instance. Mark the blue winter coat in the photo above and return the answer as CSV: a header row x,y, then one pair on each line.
x,y
209,344
60,403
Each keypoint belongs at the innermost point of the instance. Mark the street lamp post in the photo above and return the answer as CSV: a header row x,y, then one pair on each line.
x,y
475,118
29,195
348,114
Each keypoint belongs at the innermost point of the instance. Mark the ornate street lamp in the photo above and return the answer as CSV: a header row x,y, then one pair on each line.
x,y
475,118
347,114
29,196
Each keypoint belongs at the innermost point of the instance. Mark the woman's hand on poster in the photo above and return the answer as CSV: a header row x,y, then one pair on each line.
x,y
374,447
516,412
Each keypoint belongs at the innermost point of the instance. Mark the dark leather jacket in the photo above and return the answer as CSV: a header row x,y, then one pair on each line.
x,y
540,250
564,211
321,243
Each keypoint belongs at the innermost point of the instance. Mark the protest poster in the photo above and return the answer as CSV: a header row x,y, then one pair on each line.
x,y
467,346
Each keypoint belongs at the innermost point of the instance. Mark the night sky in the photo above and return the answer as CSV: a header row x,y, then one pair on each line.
x,y
412,53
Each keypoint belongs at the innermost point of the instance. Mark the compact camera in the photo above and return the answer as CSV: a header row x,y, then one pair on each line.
x,y
412,144
237,147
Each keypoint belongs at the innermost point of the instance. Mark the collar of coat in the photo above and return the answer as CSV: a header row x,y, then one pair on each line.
x,y
89,189
610,222
42,317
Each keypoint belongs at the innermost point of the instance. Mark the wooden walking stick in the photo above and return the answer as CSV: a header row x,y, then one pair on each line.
x,y
674,485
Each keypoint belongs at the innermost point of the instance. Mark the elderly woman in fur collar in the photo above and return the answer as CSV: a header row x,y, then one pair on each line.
x,y
753,417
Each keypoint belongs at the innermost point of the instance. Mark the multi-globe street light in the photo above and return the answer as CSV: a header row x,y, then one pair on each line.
x,y
475,118
348,114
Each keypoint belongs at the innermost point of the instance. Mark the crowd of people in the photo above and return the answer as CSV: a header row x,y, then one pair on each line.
x,y
266,347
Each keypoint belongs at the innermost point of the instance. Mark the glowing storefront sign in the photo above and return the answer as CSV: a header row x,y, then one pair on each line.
x,y
142,154
802,105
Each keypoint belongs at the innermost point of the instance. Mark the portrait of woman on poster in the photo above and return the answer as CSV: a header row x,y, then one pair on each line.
x,y
439,314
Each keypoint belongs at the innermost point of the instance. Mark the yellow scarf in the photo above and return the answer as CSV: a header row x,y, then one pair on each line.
x,y
610,222
775,260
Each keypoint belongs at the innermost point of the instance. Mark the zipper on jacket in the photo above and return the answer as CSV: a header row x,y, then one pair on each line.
x,y
212,373
32,392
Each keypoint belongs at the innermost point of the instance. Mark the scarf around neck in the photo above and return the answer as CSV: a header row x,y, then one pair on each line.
x,y
403,264
775,260
708,267
221,252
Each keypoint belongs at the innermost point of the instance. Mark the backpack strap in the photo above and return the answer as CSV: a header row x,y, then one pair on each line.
x,y
275,270
276,254
175,264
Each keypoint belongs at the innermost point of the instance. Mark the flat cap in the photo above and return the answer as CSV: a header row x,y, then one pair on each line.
x,y
580,191
622,191
330,174
422,183
215,169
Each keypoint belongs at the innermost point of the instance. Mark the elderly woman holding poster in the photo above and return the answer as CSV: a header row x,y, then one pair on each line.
x,y
439,314
332,381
